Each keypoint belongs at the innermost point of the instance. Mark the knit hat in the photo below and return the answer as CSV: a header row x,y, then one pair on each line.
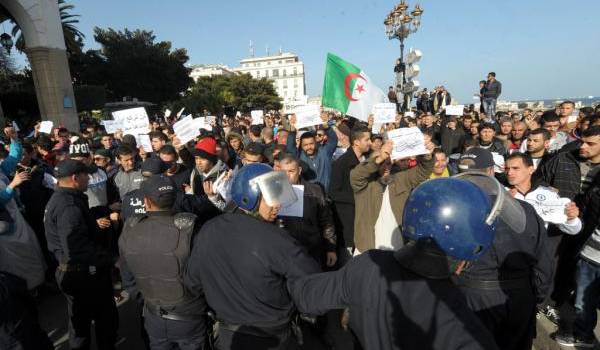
x,y
206,148
79,148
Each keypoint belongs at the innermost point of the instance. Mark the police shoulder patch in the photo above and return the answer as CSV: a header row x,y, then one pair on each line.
x,y
184,220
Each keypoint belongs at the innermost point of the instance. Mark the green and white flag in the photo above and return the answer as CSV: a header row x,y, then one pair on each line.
x,y
348,89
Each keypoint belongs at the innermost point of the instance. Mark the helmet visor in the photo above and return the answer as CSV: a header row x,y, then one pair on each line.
x,y
505,207
275,188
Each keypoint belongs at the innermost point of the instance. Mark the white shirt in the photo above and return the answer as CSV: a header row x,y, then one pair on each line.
x,y
387,232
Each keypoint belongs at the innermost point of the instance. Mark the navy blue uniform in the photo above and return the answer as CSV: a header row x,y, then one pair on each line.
x,y
84,271
505,284
242,265
391,307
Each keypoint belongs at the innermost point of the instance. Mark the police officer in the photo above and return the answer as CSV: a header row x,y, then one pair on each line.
x,y
133,201
505,284
83,274
154,247
405,299
242,262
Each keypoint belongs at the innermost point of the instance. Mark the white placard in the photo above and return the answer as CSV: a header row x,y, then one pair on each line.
x,y
211,119
296,208
111,126
167,113
550,209
46,126
134,121
200,123
407,142
186,129
376,128
384,112
409,114
144,141
180,112
455,110
308,115
257,117
15,126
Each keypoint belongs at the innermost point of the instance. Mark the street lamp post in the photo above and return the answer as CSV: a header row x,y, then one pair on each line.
x,y
399,24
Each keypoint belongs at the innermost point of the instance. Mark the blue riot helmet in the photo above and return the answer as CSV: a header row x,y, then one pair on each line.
x,y
255,180
450,214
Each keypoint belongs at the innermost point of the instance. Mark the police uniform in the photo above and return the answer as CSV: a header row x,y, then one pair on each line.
x,y
392,307
242,264
504,286
83,274
155,248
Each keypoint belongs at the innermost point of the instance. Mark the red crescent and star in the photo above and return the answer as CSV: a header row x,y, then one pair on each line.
x,y
360,88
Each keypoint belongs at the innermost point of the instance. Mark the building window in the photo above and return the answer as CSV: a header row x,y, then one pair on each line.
x,y
275,72
289,61
284,72
269,63
296,83
258,74
295,70
279,62
295,93
267,73
285,84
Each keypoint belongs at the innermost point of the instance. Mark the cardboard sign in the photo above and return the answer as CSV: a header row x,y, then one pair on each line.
x,y
296,208
550,209
144,141
309,115
134,121
257,117
455,110
408,142
186,129
111,126
384,113
46,126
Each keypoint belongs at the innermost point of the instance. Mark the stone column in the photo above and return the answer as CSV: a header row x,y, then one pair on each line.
x,y
53,86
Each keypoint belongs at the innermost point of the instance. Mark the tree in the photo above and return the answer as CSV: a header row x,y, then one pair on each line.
x,y
133,64
73,37
237,92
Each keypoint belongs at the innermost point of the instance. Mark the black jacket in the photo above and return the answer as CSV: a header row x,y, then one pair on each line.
x,y
492,89
342,195
71,231
242,265
391,307
563,173
496,146
517,256
451,141
316,229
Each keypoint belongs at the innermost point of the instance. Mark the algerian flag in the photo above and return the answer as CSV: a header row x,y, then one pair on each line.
x,y
348,89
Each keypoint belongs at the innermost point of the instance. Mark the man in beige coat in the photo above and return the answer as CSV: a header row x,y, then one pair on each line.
x,y
380,194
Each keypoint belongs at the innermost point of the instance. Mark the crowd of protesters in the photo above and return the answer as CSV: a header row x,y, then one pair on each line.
x,y
354,197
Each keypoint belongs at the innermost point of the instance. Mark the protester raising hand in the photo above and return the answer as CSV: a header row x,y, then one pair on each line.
x,y
19,178
386,151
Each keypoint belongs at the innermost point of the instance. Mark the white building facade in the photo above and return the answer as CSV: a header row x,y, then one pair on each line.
x,y
209,70
285,70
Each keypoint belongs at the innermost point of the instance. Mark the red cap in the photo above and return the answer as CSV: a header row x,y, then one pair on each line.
x,y
207,145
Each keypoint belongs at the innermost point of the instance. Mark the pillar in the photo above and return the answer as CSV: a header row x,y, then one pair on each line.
x,y
53,86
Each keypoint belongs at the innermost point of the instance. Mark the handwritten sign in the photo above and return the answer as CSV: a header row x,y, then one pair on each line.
x,y
257,117
308,115
144,141
384,112
455,110
407,142
296,208
134,121
186,129
111,126
46,126
550,209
